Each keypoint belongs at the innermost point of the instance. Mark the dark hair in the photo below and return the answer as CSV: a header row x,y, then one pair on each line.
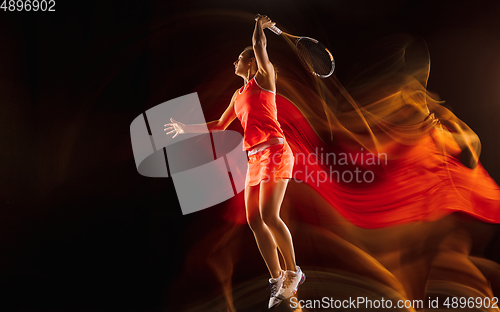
x,y
249,49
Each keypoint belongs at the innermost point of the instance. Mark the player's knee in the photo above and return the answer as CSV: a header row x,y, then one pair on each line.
x,y
255,222
270,218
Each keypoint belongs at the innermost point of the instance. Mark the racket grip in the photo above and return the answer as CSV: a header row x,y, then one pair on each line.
x,y
275,30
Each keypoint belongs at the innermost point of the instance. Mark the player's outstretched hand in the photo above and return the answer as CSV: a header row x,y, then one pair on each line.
x,y
175,126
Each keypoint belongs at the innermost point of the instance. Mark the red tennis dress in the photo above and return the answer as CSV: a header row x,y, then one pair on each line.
x,y
255,107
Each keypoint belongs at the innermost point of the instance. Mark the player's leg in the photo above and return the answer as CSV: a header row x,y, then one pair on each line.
x,y
265,242
263,236
271,197
272,192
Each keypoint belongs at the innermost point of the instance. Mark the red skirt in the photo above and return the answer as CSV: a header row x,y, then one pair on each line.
x,y
271,164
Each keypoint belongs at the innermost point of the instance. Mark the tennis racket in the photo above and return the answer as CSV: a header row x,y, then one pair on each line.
x,y
313,54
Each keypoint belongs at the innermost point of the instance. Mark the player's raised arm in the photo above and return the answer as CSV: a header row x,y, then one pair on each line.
x,y
259,43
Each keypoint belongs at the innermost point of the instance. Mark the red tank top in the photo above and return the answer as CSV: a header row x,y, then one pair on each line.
x,y
256,109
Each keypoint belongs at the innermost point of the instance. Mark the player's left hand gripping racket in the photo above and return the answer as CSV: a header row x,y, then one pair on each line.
x,y
313,54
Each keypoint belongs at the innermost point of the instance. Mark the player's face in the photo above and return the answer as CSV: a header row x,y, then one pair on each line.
x,y
242,64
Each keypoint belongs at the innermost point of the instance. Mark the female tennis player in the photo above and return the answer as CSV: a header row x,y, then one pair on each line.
x,y
270,160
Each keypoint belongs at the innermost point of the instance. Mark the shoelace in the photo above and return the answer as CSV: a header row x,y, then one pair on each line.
x,y
274,288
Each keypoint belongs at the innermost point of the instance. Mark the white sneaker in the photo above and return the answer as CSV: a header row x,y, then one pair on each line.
x,y
292,282
275,285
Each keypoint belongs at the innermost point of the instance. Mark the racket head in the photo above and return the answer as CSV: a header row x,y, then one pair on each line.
x,y
315,56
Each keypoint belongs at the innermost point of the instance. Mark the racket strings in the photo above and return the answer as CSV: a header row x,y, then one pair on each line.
x,y
315,56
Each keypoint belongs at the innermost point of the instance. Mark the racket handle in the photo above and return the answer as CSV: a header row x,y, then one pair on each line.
x,y
275,30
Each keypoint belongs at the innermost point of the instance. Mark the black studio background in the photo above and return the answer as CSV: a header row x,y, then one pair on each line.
x,y
80,229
